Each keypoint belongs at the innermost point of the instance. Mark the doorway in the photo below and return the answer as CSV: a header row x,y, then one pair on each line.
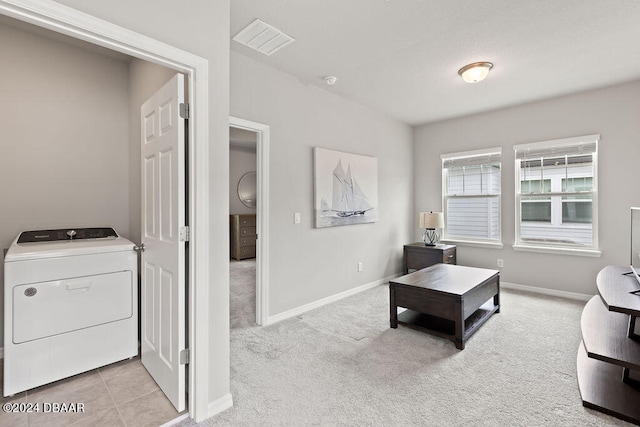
x,y
242,227
244,136
59,18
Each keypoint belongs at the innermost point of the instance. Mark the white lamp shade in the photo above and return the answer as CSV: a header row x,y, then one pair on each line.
x,y
475,72
431,220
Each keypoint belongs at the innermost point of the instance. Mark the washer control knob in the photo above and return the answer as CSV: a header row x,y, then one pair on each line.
x,y
71,234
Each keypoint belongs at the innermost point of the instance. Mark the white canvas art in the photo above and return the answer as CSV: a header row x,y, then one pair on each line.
x,y
346,188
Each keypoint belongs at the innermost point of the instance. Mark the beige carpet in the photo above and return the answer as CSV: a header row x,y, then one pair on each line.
x,y
242,293
342,365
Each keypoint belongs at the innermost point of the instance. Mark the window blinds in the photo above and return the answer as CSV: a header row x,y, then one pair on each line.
x,y
582,145
480,158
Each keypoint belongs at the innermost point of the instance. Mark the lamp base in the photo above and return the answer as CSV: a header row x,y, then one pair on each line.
x,y
430,237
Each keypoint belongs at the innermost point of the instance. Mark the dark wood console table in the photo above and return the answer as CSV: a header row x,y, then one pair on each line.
x,y
609,353
450,301
418,255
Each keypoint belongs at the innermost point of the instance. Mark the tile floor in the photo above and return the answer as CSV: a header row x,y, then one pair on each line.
x,y
120,394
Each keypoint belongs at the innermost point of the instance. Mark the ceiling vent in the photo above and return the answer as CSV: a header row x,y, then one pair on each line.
x,y
263,37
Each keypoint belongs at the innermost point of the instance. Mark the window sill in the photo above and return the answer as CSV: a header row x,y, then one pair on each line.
x,y
475,243
552,250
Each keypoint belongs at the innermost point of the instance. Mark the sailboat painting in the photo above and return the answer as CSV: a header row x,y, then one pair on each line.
x,y
346,188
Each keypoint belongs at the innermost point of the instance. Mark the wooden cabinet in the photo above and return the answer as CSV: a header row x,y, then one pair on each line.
x,y
418,256
608,357
243,236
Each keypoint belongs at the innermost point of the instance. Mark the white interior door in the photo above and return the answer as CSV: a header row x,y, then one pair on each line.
x,y
163,220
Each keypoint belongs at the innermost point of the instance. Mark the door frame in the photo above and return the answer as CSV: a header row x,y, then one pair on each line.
x,y
79,25
262,211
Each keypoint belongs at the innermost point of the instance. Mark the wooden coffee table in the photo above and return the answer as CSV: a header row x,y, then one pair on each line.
x,y
450,301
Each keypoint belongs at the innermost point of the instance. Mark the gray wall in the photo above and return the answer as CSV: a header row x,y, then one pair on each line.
x,y
612,112
241,161
65,143
200,27
308,264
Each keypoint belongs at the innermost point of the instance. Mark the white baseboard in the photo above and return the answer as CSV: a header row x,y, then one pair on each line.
x,y
324,301
546,291
222,404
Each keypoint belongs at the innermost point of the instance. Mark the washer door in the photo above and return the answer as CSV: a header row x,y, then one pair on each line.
x,y
45,309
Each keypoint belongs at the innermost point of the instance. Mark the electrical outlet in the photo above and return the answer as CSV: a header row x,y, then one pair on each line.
x,y
500,262
359,266
296,218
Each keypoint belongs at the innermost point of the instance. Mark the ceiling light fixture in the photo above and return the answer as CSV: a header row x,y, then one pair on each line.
x,y
476,72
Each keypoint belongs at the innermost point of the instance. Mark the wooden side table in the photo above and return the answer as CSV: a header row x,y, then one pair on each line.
x,y
243,236
418,256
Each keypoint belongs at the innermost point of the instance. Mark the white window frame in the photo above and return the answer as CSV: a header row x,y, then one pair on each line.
x,y
561,146
494,243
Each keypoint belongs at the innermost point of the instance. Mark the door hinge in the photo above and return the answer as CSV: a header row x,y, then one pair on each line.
x,y
184,110
185,356
184,234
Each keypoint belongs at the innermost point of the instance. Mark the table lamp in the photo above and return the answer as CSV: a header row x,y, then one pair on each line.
x,y
430,221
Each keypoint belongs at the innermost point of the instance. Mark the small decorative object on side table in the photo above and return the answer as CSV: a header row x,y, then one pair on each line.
x,y
418,256
431,221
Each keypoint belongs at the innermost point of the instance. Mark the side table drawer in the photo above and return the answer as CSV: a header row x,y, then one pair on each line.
x,y
449,256
418,260
422,302
247,220
248,252
248,232
248,241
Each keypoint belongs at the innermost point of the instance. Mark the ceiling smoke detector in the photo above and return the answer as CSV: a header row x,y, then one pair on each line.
x,y
330,80
263,37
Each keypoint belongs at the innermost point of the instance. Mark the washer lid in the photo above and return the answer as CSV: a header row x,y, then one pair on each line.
x,y
63,248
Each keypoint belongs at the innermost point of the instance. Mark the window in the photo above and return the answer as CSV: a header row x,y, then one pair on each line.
x,y
536,208
556,195
471,196
577,209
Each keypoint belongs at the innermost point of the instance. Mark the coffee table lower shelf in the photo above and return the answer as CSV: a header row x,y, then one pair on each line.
x,y
446,328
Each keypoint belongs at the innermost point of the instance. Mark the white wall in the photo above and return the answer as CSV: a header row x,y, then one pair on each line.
x,y
612,112
200,27
307,264
241,161
65,143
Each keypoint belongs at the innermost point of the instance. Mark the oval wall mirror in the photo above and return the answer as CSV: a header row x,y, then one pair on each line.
x,y
247,189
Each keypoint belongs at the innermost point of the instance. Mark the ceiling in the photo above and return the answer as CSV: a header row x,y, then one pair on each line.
x,y
402,56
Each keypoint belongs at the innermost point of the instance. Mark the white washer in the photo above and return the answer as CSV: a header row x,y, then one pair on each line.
x,y
70,304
